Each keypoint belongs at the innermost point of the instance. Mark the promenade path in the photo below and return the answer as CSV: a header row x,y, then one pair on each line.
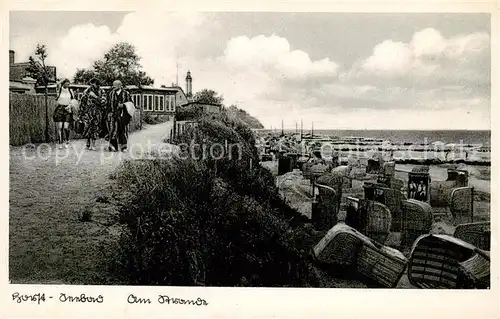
x,y
49,190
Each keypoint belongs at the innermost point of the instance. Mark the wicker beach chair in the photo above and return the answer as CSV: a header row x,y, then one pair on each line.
x,y
420,169
353,217
285,165
477,234
339,247
378,222
397,184
459,176
418,184
475,271
440,193
442,261
383,265
325,214
306,170
345,247
373,166
389,169
343,171
387,172
303,159
332,180
393,199
369,217
462,204
416,220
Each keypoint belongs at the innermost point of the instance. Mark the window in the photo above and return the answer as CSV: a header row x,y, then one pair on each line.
x,y
157,101
170,104
147,104
161,106
167,103
173,103
144,102
150,102
136,99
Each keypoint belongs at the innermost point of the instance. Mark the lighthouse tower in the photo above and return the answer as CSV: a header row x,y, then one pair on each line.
x,y
189,85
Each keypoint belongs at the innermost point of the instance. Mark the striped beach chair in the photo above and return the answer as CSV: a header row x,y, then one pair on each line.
x,y
445,262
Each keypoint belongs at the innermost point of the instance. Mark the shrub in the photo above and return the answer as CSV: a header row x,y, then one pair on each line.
x,y
186,227
151,119
207,222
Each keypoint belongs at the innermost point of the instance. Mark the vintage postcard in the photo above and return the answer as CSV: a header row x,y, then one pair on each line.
x,y
226,162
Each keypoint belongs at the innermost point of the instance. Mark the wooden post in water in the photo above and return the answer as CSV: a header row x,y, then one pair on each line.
x,y
472,205
301,128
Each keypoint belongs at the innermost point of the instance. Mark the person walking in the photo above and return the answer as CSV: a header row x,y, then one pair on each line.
x,y
92,107
118,118
63,113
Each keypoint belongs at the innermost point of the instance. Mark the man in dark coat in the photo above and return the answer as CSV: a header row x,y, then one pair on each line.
x,y
118,117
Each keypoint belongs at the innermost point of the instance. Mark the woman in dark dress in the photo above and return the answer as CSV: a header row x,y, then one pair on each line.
x,y
62,114
118,118
92,107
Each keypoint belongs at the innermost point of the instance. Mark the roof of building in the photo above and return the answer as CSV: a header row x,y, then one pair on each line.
x,y
128,87
20,64
179,88
201,103
28,79
19,86
149,87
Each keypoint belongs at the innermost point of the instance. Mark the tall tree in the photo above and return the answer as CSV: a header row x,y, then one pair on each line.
x,y
208,96
39,70
121,62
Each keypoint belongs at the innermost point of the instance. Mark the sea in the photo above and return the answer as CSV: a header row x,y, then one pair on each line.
x,y
409,136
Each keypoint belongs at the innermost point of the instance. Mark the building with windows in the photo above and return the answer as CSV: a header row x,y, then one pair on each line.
x,y
19,70
156,101
180,96
20,79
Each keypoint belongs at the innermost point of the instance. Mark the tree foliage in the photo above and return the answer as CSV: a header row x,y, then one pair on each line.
x,y
243,115
121,62
37,68
208,96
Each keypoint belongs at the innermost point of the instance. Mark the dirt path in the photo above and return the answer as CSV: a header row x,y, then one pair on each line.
x,y
49,190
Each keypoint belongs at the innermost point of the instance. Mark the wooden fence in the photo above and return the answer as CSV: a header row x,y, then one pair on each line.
x,y
27,119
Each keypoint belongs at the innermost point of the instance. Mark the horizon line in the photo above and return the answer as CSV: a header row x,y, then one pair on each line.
x,y
305,130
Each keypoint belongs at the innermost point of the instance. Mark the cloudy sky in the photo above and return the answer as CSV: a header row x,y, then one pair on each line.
x,y
338,70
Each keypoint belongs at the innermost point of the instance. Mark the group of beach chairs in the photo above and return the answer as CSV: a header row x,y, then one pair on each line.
x,y
357,235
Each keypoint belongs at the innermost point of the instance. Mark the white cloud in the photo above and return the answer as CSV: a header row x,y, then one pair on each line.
x,y
390,56
80,47
423,55
273,54
427,42
157,35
